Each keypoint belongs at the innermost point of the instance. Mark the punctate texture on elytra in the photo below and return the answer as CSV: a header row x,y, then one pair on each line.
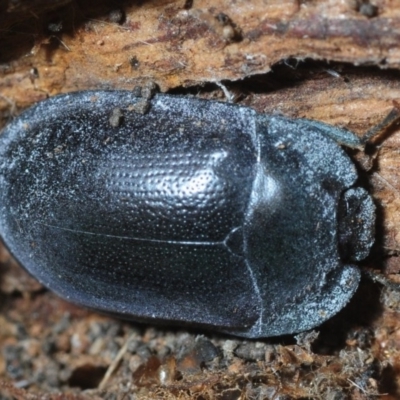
x,y
195,213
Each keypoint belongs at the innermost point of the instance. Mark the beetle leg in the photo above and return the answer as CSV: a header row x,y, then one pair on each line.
x,y
387,122
347,138
339,135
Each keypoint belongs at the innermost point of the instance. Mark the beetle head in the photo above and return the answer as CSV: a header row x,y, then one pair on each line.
x,y
356,219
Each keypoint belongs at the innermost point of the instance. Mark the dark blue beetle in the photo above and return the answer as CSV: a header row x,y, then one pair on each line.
x,y
196,212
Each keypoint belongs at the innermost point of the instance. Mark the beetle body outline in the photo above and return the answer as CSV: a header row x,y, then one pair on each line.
x,y
197,212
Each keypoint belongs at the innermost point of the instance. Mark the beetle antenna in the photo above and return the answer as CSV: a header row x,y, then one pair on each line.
x,y
389,120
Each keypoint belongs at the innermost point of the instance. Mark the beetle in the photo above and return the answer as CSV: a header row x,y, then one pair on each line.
x,y
193,212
